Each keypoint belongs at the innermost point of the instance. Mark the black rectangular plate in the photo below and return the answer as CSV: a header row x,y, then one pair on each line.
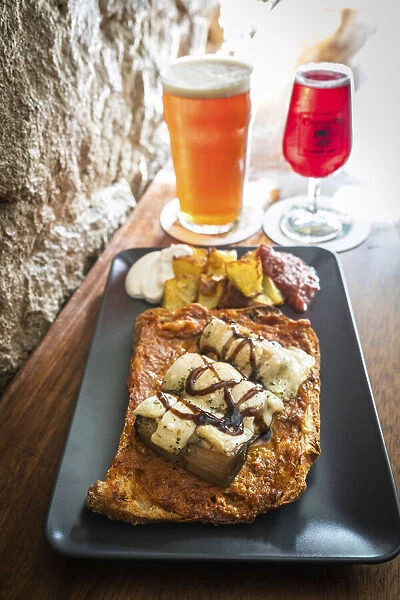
x,y
350,510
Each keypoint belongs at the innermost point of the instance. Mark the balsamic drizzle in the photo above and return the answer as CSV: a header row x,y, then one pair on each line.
x,y
244,341
232,422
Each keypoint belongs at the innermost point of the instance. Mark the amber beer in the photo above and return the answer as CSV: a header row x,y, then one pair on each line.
x,y
207,111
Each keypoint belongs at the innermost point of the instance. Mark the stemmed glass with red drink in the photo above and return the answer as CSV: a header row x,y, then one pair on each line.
x,y
317,142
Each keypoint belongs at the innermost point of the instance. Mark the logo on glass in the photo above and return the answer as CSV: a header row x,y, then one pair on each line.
x,y
320,134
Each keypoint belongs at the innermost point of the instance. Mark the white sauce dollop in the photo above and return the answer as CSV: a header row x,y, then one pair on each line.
x,y
146,277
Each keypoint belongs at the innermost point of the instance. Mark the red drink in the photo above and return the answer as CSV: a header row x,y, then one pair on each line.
x,y
317,141
318,134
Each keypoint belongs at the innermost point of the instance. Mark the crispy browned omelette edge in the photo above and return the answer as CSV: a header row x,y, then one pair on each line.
x,y
142,487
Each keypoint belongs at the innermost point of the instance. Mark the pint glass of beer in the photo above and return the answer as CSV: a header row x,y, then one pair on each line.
x,y
207,111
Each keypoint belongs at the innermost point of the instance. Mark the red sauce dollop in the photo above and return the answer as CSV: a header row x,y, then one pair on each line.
x,y
297,281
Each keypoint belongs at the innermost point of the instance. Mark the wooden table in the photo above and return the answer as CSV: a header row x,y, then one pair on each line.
x,y
36,409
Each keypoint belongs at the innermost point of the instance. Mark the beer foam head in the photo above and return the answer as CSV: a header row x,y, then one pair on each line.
x,y
208,76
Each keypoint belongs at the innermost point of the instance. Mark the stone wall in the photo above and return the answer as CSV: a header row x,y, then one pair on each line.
x,y
80,108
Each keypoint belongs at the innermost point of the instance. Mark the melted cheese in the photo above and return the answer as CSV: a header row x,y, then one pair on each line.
x,y
224,442
281,370
152,408
177,374
173,433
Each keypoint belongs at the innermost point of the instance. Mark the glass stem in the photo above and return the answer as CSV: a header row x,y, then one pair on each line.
x,y
314,185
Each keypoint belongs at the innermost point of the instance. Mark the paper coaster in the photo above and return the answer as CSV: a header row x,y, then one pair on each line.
x,y
355,230
249,223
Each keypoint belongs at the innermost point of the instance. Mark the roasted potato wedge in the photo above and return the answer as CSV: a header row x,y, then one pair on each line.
x,y
210,290
250,254
262,299
272,291
193,264
217,259
179,291
216,278
246,275
270,295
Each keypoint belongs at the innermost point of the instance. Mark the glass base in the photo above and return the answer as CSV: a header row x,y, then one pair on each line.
x,y
309,227
205,229
355,230
248,225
